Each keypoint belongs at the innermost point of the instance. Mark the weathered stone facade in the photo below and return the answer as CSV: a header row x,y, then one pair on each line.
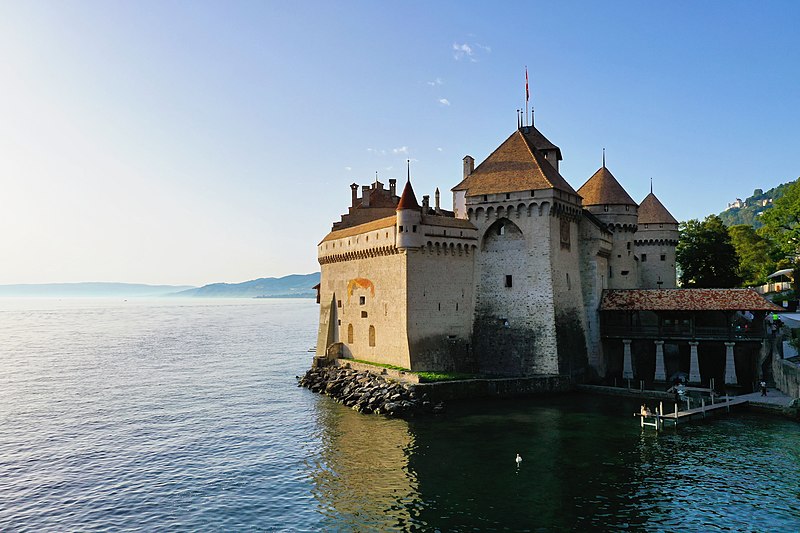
x,y
507,284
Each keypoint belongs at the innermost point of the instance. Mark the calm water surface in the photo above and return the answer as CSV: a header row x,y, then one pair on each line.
x,y
184,415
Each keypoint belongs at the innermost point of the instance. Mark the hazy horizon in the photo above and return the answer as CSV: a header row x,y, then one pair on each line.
x,y
170,143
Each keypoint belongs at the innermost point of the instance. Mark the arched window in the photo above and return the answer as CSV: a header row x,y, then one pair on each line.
x,y
349,333
372,335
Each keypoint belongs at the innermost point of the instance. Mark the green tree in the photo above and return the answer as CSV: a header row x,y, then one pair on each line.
x,y
756,254
705,255
781,224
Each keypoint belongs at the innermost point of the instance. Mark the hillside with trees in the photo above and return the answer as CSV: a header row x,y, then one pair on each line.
x,y
750,210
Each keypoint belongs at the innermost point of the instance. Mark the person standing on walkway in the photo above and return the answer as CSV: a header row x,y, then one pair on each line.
x,y
763,388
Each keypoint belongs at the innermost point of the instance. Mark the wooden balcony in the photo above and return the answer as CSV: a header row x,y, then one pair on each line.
x,y
687,332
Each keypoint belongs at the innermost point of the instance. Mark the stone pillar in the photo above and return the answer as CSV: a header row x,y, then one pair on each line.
x,y
661,372
730,365
627,360
694,363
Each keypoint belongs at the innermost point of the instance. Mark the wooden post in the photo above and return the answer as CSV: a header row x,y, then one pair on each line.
x,y
641,385
703,406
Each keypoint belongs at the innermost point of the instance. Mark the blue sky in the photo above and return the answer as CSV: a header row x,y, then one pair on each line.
x,y
195,142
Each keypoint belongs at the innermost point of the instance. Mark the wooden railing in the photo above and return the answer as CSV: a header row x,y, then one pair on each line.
x,y
680,332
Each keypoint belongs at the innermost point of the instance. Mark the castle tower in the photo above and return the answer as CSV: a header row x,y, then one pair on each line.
x,y
655,241
529,314
608,201
409,220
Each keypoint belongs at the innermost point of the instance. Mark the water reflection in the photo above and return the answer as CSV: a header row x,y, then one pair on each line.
x,y
361,476
586,465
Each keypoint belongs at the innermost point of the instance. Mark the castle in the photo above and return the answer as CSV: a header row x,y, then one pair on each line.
x,y
509,283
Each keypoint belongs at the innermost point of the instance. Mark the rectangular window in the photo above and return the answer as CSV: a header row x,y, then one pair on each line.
x,y
663,257
508,196
401,229
644,258
413,229
508,280
362,300
624,272
338,303
363,314
485,198
628,245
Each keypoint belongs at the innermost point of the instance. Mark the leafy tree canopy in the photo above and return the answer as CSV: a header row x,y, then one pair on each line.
x,y
706,256
757,255
781,224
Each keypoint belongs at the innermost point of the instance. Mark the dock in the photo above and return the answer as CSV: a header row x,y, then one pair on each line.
x,y
659,418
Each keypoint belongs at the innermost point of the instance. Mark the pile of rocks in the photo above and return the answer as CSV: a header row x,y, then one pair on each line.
x,y
366,392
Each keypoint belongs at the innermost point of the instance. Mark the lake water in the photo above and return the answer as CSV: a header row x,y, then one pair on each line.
x,y
184,415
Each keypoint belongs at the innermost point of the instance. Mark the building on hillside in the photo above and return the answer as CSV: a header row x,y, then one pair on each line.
x,y
509,283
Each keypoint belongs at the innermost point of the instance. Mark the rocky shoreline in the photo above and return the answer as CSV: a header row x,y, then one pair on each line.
x,y
366,392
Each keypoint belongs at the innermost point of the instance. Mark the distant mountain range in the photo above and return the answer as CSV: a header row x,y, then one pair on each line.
x,y
292,286
93,289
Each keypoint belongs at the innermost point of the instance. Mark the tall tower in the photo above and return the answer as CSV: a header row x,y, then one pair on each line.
x,y
605,198
655,240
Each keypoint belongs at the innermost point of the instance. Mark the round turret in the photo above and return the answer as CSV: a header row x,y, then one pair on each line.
x,y
409,220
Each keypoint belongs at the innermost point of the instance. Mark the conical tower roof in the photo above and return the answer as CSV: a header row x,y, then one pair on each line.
x,y
604,189
516,165
652,211
408,200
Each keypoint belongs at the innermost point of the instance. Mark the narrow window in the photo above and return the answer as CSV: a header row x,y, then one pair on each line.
x,y
362,300
624,272
508,196
628,245
372,335
508,280
501,229
569,285
531,193
339,322
456,306
644,258
605,208
338,303
414,229
363,314
663,257
349,333
485,198
627,208
401,229
440,306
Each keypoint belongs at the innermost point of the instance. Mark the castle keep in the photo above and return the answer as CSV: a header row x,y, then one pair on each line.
x,y
509,283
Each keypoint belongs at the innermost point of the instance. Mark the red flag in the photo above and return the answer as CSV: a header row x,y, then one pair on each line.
x,y
527,94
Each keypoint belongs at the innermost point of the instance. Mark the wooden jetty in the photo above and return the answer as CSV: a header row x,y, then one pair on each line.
x,y
659,418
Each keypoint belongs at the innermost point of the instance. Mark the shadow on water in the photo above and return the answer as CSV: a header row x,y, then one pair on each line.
x,y
586,465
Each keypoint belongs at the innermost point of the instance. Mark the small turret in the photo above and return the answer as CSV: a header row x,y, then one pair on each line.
x,y
409,219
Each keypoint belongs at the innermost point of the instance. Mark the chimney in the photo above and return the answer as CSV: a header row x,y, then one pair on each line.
x,y
426,203
393,187
365,196
438,210
354,193
469,165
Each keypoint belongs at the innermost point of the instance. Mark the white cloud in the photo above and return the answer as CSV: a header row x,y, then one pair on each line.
x,y
436,82
401,150
469,51
348,168
444,101
440,149
376,152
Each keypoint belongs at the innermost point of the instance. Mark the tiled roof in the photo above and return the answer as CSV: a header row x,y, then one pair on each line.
x,y
603,188
450,222
652,211
516,165
408,200
685,300
362,228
